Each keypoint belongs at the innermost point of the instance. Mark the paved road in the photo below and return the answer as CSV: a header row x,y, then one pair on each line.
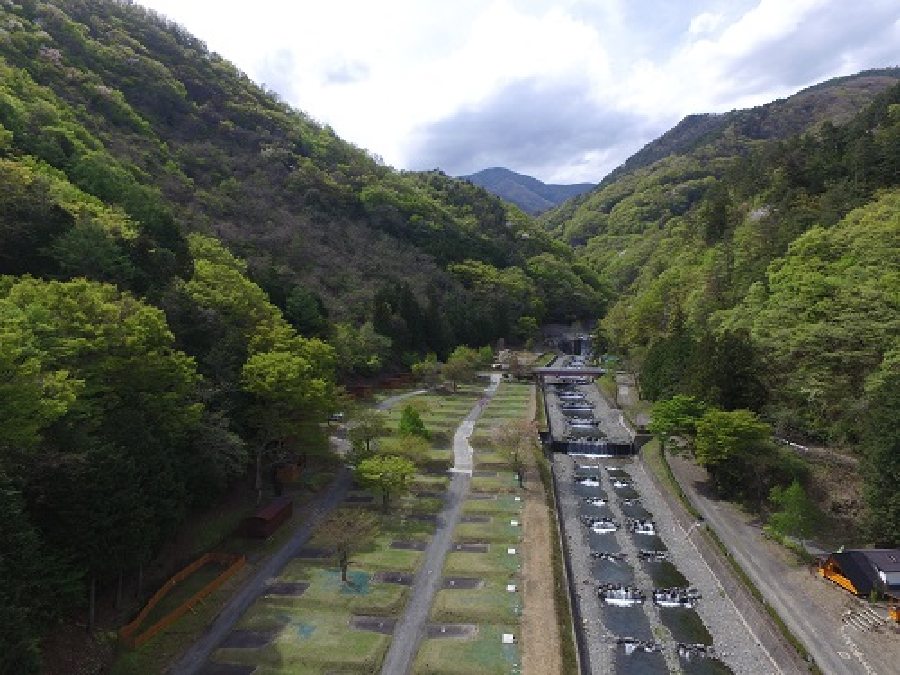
x,y
391,401
410,628
749,636
196,656
818,630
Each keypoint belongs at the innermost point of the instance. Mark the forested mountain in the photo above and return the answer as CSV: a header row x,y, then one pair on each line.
x,y
188,268
137,113
529,194
836,100
761,269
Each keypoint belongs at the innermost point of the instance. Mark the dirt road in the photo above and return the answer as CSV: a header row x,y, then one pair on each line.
x,y
540,635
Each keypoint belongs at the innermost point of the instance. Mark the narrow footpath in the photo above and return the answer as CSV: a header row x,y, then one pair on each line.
x,y
410,629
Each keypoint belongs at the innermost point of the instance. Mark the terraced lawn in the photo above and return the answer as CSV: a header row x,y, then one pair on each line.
x,y
492,607
485,654
312,632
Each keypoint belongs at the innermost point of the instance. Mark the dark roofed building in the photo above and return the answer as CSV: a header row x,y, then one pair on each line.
x,y
862,570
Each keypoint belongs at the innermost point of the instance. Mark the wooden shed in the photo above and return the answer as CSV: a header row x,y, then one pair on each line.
x,y
861,571
268,518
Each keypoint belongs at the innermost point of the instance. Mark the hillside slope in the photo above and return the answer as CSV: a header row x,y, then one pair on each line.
x,y
764,272
137,112
529,194
188,269
700,147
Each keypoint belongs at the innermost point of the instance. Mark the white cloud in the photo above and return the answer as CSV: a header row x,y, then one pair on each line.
x,y
706,22
595,78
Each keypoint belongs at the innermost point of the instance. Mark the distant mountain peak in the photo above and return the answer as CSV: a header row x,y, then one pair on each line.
x,y
526,192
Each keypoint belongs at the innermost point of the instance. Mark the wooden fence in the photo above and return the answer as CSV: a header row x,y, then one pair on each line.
x,y
129,635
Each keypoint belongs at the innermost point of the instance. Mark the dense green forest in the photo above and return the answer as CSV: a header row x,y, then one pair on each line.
x,y
189,269
757,266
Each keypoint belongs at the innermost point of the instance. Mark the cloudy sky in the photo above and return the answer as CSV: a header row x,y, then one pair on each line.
x,y
563,90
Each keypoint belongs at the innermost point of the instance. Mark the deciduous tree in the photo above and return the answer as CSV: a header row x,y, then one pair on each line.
x,y
345,532
388,474
676,416
514,439
366,426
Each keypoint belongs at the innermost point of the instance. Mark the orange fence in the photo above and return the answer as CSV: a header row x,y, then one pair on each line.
x,y
128,633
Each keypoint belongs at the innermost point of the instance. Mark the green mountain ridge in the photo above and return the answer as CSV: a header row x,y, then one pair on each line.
x,y
528,193
835,100
140,112
754,262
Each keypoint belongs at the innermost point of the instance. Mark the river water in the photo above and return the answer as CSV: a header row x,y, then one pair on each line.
x,y
642,638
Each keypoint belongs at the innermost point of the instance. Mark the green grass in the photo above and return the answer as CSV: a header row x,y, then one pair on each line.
x,y
495,562
490,604
503,482
492,460
504,504
327,591
483,655
429,483
498,530
317,640
383,557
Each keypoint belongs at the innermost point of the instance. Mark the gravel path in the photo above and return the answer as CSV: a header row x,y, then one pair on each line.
x,y
410,629
391,401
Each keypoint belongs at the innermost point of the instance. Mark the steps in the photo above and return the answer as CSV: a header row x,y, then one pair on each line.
x,y
863,619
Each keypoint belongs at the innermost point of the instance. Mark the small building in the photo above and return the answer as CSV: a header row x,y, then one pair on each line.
x,y
861,571
269,518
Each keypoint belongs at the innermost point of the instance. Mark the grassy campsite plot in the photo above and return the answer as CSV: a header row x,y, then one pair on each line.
x,y
492,607
491,603
499,530
485,654
308,639
503,482
312,633
503,504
